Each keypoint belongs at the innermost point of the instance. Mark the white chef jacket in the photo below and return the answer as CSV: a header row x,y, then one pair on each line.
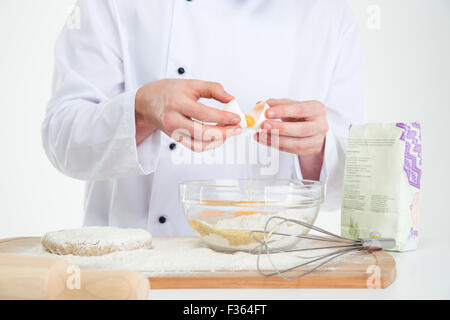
x,y
257,49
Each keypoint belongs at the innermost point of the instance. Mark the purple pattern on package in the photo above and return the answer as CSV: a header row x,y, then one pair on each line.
x,y
414,233
413,152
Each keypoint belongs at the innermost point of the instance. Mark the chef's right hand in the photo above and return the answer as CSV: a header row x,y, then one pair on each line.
x,y
171,105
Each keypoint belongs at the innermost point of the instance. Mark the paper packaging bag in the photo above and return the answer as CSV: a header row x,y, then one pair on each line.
x,y
383,171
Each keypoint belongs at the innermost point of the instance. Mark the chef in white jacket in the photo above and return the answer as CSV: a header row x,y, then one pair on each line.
x,y
130,73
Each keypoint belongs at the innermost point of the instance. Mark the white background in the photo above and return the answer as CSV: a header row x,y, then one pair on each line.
x,y
408,61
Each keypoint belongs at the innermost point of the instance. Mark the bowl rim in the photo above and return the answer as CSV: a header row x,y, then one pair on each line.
x,y
207,183
299,185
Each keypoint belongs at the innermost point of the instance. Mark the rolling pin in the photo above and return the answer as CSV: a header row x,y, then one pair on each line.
x,y
30,277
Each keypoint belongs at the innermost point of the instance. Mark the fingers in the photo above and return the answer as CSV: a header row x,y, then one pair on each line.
x,y
284,108
203,132
199,111
195,144
300,146
211,90
297,129
274,102
184,137
204,113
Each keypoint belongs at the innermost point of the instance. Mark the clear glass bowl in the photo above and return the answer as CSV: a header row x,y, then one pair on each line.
x,y
223,213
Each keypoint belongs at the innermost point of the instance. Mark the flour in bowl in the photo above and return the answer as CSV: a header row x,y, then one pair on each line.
x,y
234,233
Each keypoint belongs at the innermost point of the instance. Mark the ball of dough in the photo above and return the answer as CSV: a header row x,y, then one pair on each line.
x,y
95,241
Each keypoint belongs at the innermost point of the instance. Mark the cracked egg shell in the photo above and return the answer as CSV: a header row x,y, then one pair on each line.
x,y
233,107
259,114
254,119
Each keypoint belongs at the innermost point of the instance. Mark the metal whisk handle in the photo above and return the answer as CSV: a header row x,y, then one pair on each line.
x,y
378,243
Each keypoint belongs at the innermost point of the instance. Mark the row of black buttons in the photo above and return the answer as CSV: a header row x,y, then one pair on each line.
x,y
173,145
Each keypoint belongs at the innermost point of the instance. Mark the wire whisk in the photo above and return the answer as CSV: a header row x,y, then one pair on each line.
x,y
329,246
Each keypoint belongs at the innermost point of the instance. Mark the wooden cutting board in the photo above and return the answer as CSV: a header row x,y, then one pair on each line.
x,y
369,270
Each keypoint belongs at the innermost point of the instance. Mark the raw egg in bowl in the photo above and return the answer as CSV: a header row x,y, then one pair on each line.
x,y
223,213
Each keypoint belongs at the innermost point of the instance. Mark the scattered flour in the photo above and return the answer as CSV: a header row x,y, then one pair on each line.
x,y
183,256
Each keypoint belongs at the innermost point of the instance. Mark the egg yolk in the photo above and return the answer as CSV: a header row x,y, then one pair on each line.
x,y
211,212
245,213
250,121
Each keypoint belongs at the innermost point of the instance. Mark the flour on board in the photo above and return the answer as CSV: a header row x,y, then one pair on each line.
x,y
181,256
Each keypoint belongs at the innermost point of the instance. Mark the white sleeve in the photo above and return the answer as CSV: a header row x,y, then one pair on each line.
x,y
345,106
89,128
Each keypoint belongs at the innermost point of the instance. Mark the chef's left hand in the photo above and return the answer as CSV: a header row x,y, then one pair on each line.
x,y
303,127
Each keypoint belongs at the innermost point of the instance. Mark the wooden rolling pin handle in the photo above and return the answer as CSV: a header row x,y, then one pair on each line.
x,y
29,277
